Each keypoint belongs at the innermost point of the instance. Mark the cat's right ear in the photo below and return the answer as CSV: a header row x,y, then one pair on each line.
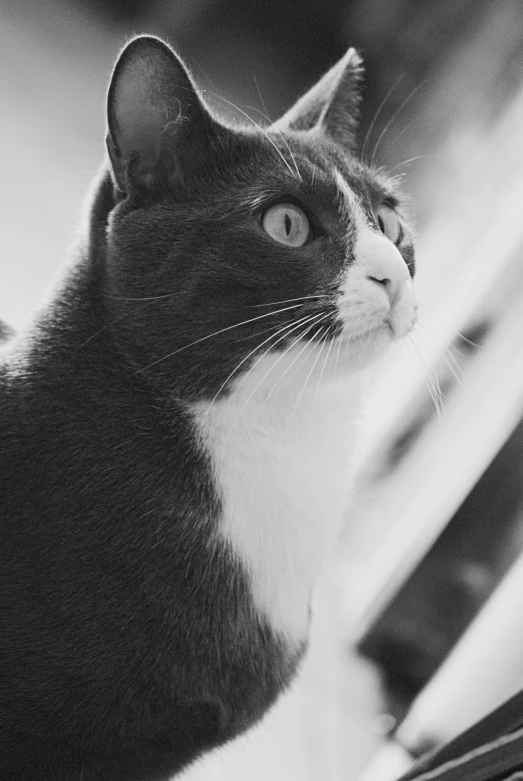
x,y
157,122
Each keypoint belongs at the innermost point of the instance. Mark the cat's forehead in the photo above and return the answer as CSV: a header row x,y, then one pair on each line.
x,y
305,161
334,167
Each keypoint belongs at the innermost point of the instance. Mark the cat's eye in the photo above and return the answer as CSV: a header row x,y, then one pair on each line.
x,y
287,224
389,223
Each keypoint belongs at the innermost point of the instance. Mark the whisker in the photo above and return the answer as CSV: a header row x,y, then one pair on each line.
x,y
403,130
280,133
305,383
340,340
311,319
103,328
406,162
317,319
451,362
423,373
289,367
266,115
452,348
465,339
285,373
327,334
125,315
260,128
391,120
293,157
313,176
448,346
376,115
141,298
263,331
286,331
288,300
216,333
311,342
431,382
455,368
432,379
443,356
146,299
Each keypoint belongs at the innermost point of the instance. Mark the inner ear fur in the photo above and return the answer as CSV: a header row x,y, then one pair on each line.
x,y
157,122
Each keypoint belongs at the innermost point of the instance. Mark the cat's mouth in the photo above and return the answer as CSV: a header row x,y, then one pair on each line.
x,y
400,330
396,325
403,315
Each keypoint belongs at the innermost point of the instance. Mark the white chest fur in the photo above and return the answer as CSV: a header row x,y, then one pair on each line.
x,y
283,461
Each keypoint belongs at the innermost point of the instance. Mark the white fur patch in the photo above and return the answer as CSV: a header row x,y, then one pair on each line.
x,y
283,464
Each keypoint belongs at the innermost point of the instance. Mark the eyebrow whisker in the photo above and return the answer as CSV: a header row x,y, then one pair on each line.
x,y
260,128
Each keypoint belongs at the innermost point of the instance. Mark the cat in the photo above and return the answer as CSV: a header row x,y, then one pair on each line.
x,y
178,425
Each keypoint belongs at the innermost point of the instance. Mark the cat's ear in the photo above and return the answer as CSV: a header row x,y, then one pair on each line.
x,y
157,122
331,107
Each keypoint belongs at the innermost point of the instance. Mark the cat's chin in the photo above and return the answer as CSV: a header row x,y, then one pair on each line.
x,y
358,351
403,316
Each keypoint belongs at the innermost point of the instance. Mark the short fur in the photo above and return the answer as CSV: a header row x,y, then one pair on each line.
x,y
176,445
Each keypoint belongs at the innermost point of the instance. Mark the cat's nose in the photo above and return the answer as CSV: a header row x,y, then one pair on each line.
x,y
391,281
382,263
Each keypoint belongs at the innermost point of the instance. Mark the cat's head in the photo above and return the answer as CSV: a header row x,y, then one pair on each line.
x,y
234,247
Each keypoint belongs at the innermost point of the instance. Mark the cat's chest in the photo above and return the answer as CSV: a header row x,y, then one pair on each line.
x,y
284,477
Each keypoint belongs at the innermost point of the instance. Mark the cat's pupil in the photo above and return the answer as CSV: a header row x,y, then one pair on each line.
x,y
288,224
381,224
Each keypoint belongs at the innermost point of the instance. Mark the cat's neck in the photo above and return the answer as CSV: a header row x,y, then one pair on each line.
x,y
284,460
284,397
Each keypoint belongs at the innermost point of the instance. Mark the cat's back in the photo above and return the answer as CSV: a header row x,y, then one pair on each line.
x,y
112,578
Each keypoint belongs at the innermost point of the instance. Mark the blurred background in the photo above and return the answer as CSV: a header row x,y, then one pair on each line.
x,y
418,625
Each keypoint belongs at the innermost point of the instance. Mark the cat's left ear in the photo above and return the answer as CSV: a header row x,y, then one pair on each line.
x,y
331,107
158,126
